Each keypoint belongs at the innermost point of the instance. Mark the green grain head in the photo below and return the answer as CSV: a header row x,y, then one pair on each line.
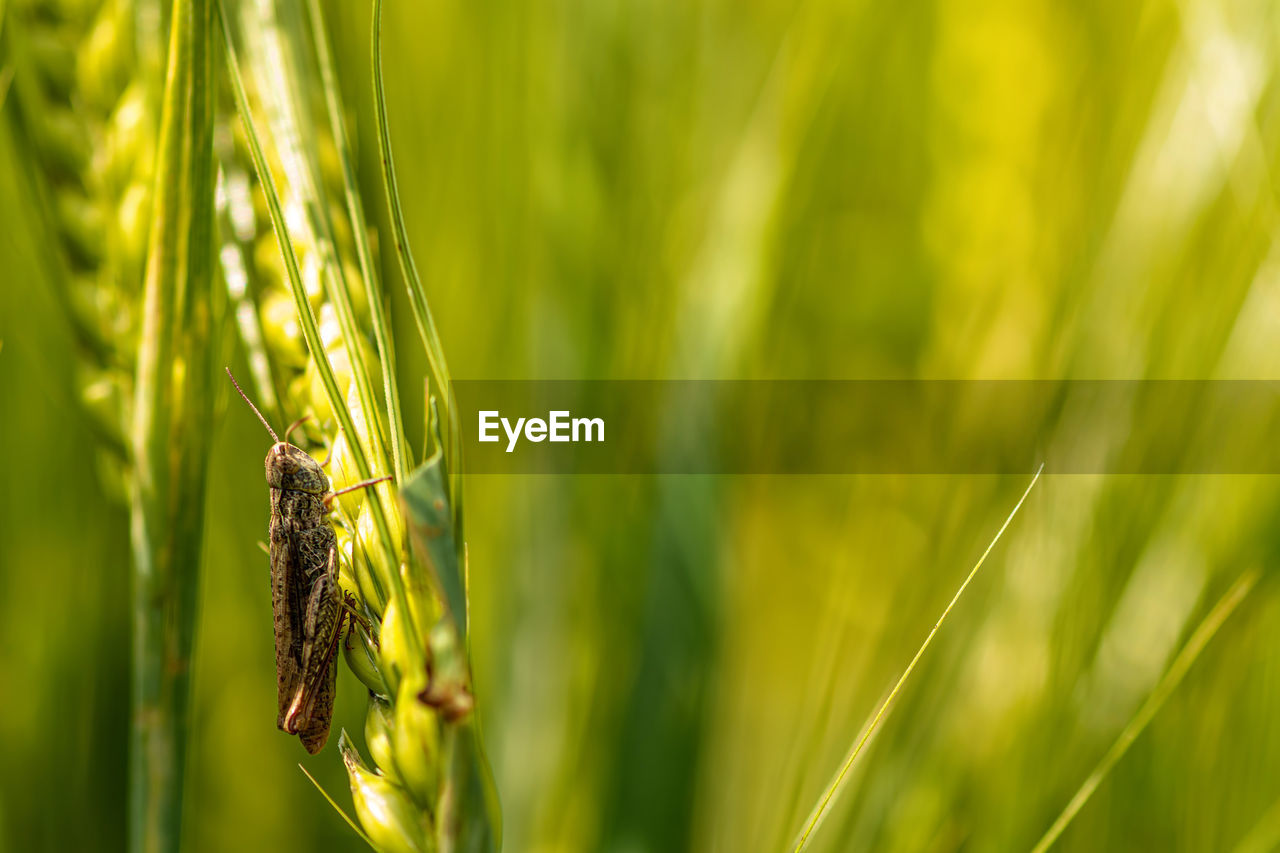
x,y
314,322
87,83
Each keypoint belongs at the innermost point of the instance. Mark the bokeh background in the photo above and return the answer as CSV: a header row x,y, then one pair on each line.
x,y
709,189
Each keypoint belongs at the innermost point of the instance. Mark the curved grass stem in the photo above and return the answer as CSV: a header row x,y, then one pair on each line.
x,y
837,782
409,268
1172,678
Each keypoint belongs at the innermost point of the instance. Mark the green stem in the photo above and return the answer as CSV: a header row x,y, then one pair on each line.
x,y
1177,671
837,783
413,282
173,408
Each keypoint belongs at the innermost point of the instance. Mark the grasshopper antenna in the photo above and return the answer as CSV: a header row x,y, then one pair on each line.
x,y
299,422
252,406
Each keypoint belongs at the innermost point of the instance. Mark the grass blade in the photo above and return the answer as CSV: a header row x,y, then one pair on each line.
x,y
1172,678
837,782
337,808
1264,837
413,282
6,77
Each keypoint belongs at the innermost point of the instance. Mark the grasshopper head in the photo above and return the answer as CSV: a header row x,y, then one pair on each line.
x,y
288,467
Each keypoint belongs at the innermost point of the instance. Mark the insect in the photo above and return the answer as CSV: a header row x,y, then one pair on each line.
x,y
308,604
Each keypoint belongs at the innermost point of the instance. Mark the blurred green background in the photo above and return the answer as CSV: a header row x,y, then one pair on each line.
x,y
706,189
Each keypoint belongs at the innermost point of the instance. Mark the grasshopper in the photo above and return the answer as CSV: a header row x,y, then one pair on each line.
x,y
307,602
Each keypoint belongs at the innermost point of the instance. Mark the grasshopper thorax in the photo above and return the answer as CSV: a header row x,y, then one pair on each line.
x,y
289,467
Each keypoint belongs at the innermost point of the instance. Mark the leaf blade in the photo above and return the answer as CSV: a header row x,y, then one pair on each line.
x,y
821,809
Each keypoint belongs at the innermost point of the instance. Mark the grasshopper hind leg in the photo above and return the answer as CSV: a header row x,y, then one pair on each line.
x,y
311,711
316,733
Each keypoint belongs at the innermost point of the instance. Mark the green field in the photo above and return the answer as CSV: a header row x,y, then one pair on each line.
x,y
622,189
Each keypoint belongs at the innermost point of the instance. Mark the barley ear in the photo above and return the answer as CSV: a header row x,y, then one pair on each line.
x,y
427,783
84,100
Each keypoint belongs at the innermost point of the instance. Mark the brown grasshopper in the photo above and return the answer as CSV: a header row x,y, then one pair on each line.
x,y
306,599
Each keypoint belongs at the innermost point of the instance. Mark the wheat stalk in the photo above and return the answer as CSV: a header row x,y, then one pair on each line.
x,y
87,83
173,412
332,356
123,143
127,175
